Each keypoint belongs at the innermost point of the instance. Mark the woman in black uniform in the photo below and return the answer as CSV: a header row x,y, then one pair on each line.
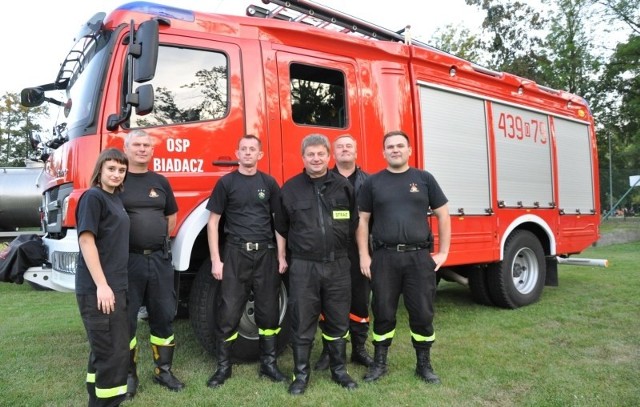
x,y
101,279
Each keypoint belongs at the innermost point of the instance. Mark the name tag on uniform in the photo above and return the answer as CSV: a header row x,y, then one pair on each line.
x,y
341,215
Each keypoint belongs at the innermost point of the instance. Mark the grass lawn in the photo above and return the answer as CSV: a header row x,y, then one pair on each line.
x,y
578,346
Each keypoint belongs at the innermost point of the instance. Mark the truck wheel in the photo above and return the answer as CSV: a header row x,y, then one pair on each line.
x,y
203,301
518,279
479,285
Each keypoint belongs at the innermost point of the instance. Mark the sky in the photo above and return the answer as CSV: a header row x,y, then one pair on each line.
x,y
37,39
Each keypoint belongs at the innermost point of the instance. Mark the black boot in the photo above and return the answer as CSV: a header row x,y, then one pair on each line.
x,y
223,372
301,369
163,358
359,332
338,363
379,366
423,365
132,376
268,363
323,360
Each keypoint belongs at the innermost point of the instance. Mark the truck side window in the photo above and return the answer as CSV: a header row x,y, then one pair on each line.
x,y
190,85
318,96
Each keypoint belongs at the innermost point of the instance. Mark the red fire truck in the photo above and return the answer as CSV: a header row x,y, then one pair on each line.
x,y
517,160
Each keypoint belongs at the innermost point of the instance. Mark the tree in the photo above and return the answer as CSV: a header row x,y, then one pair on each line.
x,y
624,11
459,41
17,125
514,37
572,64
618,107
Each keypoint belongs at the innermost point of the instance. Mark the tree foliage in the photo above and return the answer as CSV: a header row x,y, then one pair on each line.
x,y
513,37
459,41
17,125
573,65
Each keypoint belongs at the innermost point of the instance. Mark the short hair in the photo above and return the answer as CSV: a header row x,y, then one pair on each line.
x,y
395,133
315,140
251,137
133,134
345,135
110,154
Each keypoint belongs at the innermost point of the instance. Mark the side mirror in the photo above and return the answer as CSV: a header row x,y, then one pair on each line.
x,y
34,141
32,97
145,51
145,99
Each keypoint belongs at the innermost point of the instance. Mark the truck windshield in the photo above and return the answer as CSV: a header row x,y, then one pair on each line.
x,y
83,71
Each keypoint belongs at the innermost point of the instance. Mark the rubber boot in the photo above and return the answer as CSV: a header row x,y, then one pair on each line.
x,y
163,358
423,366
132,376
338,363
268,361
359,332
223,371
379,366
323,360
301,369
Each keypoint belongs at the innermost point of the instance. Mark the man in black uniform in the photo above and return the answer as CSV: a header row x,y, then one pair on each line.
x,y
345,154
247,198
318,218
398,199
151,205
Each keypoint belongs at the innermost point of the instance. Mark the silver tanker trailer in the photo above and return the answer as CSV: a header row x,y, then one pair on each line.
x,y
20,198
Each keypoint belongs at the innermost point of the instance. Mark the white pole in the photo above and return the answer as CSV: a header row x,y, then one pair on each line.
x,y
610,177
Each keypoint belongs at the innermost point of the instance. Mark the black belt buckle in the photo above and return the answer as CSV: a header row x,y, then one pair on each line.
x,y
147,252
401,247
251,246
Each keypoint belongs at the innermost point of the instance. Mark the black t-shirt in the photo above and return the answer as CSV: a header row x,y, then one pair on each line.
x,y
247,203
148,199
103,214
399,203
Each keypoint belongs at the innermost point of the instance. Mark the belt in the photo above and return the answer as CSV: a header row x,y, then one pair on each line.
x,y
251,246
145,252
402,247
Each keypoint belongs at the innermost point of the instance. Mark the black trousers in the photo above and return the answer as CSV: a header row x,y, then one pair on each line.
x,y
319,287
108,336
360,289
243,272
151,281
412,275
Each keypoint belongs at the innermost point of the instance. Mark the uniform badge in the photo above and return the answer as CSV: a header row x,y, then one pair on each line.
x,y
153,193
413,187
261,194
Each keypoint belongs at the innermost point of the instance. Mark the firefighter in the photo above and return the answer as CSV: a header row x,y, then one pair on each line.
x,y
397,200
345,153
151,205
101,279
317,218
246,198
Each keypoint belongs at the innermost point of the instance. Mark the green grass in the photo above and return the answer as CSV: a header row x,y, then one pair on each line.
x,y
613,224
578,346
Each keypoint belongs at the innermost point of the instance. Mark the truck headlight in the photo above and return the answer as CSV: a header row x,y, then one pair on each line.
x,y
65,208
64,262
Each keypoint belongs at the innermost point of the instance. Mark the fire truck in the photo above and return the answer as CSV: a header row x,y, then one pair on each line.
x,y
517,160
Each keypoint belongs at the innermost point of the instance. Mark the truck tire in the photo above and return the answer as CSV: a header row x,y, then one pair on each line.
x,y
478,284
202,307
519,278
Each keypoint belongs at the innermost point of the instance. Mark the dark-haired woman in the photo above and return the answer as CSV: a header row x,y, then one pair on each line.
x,y
101,279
